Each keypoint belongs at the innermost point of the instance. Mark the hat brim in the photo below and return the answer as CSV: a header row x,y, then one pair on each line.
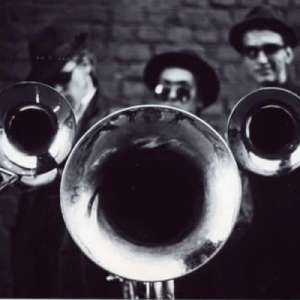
x,y
46,68
207,80
237,32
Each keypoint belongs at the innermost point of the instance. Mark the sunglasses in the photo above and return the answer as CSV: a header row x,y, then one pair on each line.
x,y
62,78
268,49
162,92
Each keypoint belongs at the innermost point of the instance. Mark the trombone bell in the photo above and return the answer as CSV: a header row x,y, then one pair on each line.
x,y
37,130
150,193
264,131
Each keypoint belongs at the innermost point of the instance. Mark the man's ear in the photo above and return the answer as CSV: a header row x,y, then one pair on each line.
x,y
289,55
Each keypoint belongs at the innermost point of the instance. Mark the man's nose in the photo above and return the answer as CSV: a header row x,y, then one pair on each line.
x,y
262,57
173,94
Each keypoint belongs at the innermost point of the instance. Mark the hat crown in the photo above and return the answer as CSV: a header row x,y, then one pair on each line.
x,y
262,12
207,79
262,17
52,40
51,48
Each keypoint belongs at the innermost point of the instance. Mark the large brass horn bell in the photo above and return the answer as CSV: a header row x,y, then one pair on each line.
x,y
150,193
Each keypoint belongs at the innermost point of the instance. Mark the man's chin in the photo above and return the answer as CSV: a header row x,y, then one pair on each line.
x,y
267,81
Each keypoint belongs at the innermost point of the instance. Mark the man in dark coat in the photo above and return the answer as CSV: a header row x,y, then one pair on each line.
x,y
265,264
184,80
46,262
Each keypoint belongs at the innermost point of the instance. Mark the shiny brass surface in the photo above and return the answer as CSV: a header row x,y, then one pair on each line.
x,y
150,193
37,129
264,131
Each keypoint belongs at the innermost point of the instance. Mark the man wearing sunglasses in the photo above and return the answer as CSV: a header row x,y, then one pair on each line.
x,y
266,45
46,262
266,263
182,79
60,57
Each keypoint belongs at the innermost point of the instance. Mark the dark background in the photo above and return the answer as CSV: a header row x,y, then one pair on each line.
x,y
124,35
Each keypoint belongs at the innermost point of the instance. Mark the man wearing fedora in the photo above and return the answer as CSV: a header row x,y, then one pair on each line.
x,y
182,79
265,43
265,263
46,262
60,57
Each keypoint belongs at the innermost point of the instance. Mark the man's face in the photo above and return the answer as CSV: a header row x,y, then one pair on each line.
x,y
73,81
177,87
266,57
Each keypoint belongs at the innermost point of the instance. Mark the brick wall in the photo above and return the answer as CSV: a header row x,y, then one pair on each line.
x,y
124,35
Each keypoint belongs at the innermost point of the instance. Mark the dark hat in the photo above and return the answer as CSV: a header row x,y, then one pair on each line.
x,y
51,48
207,80
261,17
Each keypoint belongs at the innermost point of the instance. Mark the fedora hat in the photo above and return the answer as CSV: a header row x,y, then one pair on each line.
x,y
51,48
261,17
207,80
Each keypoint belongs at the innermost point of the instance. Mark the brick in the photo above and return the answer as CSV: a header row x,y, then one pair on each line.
x,y
249,3
293,17
225,53
157,18
123,33
68,4
231,73
196,3
101,51
223,3
127,102
221,17
98,32
128,15
206,36
296,3
132,3
134,71
223,34
39,13
161,48
281,3
90,14
133,52
148,4
194,17
110,89
86,2
107,70
132,89
151,34
239,14
179,34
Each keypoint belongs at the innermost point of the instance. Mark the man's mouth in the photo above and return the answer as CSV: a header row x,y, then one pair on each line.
x,y
264,71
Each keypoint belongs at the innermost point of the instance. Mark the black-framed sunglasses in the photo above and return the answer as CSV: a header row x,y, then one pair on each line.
x,y
162,92
268,49
62,78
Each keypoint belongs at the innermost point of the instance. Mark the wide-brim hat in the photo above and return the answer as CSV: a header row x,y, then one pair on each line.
x,y
261,17
51,49
207,79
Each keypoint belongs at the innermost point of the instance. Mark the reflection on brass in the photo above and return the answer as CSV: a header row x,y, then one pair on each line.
x,y
150,199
